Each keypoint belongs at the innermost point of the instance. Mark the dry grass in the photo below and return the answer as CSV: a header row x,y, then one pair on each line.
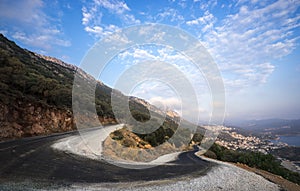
x,y
124,145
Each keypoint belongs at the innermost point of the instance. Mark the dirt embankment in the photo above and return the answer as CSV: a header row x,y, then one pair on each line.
x,y
283,183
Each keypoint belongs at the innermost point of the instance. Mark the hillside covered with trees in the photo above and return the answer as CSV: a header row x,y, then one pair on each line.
x,y
36,95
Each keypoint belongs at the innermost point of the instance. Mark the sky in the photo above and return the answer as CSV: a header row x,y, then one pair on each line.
x,y
255,44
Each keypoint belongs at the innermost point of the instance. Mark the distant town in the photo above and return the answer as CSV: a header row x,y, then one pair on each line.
x,y
233,140
243,142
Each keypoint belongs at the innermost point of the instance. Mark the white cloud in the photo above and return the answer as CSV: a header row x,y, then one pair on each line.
x,y
92,17
115,6
43,40
86,16
182,3
169,15
96,30
143,54
205,5
27,11
130,19
167,103
245,43
206,21
206,18
31,25
4,32
167,55
37,41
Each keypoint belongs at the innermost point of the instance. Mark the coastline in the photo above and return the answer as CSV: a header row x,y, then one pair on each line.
x,y
288,140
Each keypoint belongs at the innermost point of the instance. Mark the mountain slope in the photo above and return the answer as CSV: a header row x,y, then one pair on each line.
x,y
36,93
36,96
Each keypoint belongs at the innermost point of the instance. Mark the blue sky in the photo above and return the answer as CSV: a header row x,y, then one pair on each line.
x,y
255,43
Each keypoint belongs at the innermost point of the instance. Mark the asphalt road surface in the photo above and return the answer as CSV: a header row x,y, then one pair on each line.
x,y
34,159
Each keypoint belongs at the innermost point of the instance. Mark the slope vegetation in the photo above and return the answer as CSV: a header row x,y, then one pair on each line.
x,y
36,96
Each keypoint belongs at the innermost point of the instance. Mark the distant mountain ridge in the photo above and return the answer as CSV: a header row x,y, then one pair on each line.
x,y
271,126
36,95
169,113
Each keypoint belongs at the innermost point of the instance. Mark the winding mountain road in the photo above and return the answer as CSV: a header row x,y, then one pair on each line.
x,y
34,159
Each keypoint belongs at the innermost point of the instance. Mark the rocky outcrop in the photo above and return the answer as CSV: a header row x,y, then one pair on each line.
x,y
169,113
26,119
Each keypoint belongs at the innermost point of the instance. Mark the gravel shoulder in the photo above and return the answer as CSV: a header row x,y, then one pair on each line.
x,y
87,143
285,184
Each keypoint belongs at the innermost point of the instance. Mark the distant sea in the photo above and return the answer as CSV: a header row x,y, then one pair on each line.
x,y
290,140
